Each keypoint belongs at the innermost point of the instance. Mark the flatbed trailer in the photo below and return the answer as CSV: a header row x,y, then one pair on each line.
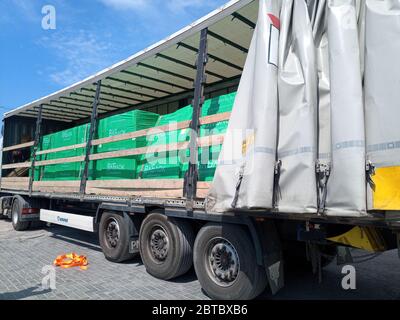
x,y
235,254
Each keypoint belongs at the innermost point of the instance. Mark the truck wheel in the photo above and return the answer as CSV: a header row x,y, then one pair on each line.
x,y
166,246
114,237
16,213
225,263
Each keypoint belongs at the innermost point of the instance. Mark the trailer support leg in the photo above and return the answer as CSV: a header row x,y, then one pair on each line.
x,y
314,255
191,177
35,148
92,131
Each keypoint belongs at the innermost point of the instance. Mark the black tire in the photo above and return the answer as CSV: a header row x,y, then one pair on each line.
x,y
245,280
114,237
16,213
166,246
2,215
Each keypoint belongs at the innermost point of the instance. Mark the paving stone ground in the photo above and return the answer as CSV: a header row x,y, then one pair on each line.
x,y
24,254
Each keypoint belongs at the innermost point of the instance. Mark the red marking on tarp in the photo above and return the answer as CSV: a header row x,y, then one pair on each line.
x,y
275,21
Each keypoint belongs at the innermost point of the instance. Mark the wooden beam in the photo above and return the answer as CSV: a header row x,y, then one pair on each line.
x,y
17,165
215,118
209,141
139,151
142,133
137,184
201,193
58,183
71,147
204,185
171,193
17,187
59,161
19,146
15,179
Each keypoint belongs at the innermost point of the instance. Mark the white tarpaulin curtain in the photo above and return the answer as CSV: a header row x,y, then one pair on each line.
x,y
382,84
346,188
305,131
298,102
245,173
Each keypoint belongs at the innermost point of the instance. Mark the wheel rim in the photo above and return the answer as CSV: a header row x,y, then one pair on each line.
x,y
112,232
222,262
15,215
159,244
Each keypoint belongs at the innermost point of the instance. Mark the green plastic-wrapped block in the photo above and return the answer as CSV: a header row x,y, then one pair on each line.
x,y
208,156
125,167
218,104
162,165
66,171
166,165
44,144
174,164
82,137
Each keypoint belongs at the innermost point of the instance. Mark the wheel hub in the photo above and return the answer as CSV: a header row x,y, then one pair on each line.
x,y
159,244
112,233
223,261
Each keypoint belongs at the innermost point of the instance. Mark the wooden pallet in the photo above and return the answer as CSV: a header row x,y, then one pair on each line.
x,y
161,188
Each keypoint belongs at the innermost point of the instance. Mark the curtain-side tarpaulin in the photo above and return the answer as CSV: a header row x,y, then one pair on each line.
x,y
346,188
382,101
298,102
314,128
244,177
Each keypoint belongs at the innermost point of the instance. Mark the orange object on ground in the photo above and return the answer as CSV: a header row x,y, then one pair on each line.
x,y
71,260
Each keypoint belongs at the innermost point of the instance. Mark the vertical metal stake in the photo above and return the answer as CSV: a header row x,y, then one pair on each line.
x,y
2,156
35,148
92,131
191,177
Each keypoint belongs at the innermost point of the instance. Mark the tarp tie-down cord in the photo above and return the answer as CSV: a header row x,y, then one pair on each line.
x,y
323,173
277,190
71,260
238,184
370,172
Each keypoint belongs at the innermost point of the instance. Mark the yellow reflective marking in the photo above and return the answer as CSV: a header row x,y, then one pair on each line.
x,y
387,188
247,143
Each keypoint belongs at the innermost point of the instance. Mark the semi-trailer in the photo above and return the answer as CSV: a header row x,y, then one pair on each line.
x,y
262,136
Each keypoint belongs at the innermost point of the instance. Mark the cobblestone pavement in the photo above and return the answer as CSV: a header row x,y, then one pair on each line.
x,y
24,254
